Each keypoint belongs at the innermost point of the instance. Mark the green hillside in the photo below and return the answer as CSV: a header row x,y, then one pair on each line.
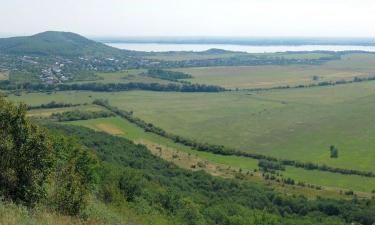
x,y
55,43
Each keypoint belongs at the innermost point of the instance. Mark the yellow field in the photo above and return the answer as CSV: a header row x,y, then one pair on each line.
x,y
4,76
109,128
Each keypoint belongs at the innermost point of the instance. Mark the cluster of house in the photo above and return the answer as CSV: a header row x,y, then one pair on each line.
x,y
53,74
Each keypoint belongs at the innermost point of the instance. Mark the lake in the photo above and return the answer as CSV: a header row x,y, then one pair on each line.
x,y
155,47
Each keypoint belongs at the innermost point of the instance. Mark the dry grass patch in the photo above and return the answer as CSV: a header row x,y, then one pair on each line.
x,y
109,128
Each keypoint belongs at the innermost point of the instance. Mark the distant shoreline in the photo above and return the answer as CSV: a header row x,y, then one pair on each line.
x,y
169,47
242,41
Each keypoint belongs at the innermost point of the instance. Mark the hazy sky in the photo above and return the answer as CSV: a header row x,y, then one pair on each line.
x,y
348,18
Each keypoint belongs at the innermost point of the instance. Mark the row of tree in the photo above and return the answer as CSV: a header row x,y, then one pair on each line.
x,y
168,75
319,84
52,105
80,115
111,87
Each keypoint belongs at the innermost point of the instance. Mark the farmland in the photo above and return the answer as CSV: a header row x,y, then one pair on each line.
x,y
125,77
326,179
350,66
49,112
298,123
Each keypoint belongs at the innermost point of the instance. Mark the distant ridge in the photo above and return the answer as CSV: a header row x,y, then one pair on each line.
x,y
56,43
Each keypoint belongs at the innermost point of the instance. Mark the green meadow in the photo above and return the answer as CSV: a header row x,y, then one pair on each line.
x,y
326,179
298,124
48,112
127,76
243,77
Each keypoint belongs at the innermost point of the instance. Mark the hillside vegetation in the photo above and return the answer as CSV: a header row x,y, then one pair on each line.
x,y
61,177
55,43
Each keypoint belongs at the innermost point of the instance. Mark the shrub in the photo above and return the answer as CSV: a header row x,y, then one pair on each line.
x,y
25,156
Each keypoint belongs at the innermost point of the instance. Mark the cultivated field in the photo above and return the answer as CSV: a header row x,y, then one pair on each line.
x,y
350,66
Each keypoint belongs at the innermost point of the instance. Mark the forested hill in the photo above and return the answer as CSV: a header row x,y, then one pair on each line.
x,y
56,43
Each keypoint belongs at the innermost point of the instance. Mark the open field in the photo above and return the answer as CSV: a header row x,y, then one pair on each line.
x,y
350,66
125,77
220,164
298,124
48,112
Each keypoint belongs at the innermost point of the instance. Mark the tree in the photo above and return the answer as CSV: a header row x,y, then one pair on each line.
x,y
26,157
75,175
334,151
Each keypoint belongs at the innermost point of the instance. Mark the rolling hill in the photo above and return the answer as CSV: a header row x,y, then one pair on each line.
x,y
56,43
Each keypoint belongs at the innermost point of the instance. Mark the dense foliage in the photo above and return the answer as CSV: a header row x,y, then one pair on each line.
x,y
198,198
167,74
51,105
26,156
31,159
80,115
177,87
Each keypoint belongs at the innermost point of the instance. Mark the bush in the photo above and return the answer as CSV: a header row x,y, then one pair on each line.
x,y
130,185
26,157
75,176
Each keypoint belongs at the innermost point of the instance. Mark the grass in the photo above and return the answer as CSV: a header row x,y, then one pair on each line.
x,y
125,77
297,124
222,163
132,132
48,112
350,66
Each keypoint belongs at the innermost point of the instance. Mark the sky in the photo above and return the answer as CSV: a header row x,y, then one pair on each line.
x,y
245,18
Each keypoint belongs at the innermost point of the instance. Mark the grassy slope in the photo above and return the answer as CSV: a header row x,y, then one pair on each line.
x,y
357,183
270,76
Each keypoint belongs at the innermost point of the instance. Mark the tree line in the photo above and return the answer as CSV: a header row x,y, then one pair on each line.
x,y
52,105
80,115
112,87
319,84
167,75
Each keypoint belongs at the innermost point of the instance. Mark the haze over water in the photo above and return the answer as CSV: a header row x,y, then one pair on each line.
x,y
155,47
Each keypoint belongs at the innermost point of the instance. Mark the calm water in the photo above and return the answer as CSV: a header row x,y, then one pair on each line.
x,y
150,47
